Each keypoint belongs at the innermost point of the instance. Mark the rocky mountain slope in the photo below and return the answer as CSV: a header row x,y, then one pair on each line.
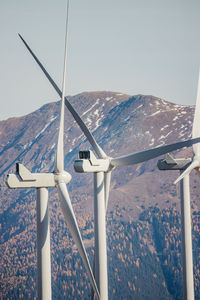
x,y
143,219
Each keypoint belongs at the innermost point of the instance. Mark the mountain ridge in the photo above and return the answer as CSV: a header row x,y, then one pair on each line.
x,y
141,196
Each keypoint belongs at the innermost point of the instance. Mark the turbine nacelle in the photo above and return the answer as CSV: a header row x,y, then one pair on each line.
x,y
171,163
25,179
88,162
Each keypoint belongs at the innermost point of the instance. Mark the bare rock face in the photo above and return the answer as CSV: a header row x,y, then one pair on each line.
x,y
143,214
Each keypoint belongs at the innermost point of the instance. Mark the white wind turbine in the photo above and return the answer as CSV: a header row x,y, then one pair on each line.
x,y
171,163
188,281
101,166
186,166
42,181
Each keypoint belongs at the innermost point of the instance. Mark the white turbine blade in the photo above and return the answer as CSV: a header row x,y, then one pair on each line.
x,y
77,118
59,167
93,268
71,222
196,122
107,179
99,151
139,157
193,165
42,67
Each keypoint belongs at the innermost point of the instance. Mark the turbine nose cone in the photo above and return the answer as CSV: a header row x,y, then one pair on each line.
x,y
63,177
67,177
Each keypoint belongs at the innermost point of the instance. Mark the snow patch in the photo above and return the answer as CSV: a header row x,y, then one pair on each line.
x,y
127,119
164,127
97,123
139,106
152,142
183,126
181,134
97,102
108,98
157,102
45,127
157,112
164,136
53,146
96,112
176,118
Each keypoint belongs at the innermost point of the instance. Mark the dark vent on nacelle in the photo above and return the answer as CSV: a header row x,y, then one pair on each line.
x,y
84,154
17,168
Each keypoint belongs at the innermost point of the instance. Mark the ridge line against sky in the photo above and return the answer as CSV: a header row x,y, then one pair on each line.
x,y
132,47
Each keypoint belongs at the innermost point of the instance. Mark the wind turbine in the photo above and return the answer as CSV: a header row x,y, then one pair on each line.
x,y
186,166
42,181
188,280
102,166
171,163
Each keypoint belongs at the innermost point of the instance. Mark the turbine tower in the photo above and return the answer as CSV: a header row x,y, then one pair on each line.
x,y
186,166
25,179
42,181
170,163
102,165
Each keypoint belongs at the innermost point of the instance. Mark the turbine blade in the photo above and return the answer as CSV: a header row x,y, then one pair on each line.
x,y
71,222
196,122
59,166
93,268
193,165
139,157
107,179
42,67
100,153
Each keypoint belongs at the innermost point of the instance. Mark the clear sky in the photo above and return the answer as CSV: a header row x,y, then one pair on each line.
x,y
129,46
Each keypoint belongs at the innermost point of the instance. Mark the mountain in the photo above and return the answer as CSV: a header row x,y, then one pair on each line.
x,y
143,218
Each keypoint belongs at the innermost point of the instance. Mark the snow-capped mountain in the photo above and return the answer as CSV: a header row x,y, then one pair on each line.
x,y
121,124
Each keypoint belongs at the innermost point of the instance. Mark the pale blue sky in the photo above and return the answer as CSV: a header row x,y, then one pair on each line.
x,y
129,46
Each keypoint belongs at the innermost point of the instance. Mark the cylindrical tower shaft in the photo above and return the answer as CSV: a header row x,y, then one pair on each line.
x,y
187,257
101,273
43,245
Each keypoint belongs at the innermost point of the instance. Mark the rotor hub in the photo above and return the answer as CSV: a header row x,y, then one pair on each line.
x,y
63,177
